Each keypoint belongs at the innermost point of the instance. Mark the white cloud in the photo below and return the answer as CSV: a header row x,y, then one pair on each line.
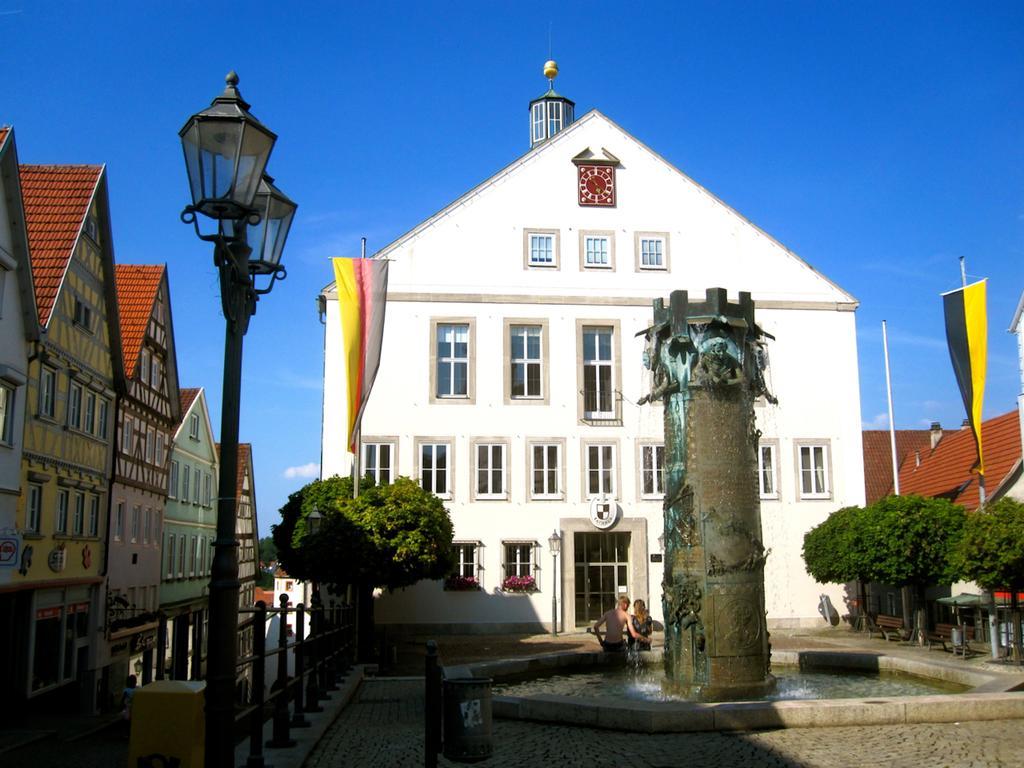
x,y
881,421
304,470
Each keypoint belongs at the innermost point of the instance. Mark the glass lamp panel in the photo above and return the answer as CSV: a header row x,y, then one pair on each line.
x,y
218,155
253,153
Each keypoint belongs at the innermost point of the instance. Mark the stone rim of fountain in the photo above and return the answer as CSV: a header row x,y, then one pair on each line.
x,y
992,696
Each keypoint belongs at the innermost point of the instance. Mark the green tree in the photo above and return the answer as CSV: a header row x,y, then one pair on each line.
x,y
907,541
835,551
268,550
389,537
991,552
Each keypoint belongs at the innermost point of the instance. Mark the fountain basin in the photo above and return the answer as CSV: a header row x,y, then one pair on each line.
x,y
990,697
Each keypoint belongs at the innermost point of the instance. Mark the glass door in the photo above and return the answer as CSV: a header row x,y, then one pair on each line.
x,y
602,573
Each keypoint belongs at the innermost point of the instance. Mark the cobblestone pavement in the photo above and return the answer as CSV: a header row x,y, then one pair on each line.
x,y
107,748
384,727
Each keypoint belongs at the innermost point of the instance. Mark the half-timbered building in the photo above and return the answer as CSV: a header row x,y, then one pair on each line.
x,y
74,368
147,413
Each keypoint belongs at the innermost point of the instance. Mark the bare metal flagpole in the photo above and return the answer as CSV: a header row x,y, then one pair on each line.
x,y
892,423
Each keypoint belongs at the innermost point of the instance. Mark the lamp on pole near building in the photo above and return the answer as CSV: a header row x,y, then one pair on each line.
x,y
555,545
226,152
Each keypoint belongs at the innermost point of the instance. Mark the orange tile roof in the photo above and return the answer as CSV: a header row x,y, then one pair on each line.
x,y
187,396
56,200
137,286
4,130
878,457
946,471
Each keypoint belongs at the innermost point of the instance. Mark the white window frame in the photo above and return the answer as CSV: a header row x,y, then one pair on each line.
x,y
78,517
172,480
147,531
448,359
181,555
154,372
421,470
594,362
643,251
517,565
7,395
382,472
144,357
541,249
197,489
34,509
546,470
524,332
820,482
537,122
652,468
186,475
150,445
136,522
495,478
193,427
94,515
82,315
89,413
63,502
463,562
769,473
75,405
606,469
102,418
207,489
119,521
47,392
126,434
597,250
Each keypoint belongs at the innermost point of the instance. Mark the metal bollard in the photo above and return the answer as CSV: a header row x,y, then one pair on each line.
x,y
298,712
282,737
259,693
309,655
432,707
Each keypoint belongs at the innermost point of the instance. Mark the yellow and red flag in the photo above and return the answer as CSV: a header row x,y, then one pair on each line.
x,y
967,337
362,296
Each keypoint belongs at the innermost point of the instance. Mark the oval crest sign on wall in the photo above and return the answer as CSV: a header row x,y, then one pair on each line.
x,y
604,512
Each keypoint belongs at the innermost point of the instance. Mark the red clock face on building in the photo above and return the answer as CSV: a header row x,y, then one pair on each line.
x,y
597,184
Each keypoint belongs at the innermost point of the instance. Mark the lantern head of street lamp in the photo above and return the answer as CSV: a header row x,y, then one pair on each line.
x,y
226,152
555,543
313,520
266,236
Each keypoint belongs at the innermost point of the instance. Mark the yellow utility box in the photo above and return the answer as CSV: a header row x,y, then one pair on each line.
x,y
167,726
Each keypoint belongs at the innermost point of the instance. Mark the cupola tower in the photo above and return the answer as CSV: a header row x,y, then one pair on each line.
x,y
550,113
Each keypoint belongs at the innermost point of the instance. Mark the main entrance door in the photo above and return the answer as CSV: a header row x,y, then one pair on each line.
x,y
602,573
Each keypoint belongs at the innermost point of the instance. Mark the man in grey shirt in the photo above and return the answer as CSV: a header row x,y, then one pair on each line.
x,y
615,622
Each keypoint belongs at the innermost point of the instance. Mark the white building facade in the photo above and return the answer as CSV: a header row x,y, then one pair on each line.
x,y
511,373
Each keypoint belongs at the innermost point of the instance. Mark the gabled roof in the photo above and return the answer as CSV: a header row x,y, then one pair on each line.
x,y
11,176
187,396
561,137
56,200
137,287
4,130
878,457
1016,315
946,471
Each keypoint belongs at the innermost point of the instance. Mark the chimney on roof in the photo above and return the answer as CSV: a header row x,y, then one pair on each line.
x,y
917,459
965,424
936,430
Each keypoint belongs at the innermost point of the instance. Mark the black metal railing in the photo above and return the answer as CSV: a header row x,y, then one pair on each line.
x,y
321,657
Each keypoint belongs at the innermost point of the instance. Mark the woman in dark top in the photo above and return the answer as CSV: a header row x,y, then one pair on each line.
x,y
640,627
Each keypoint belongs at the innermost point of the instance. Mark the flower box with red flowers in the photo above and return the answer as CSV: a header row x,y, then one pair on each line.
x,y
519,584
461,583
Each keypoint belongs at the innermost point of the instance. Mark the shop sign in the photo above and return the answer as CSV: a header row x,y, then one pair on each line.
x,y
78,608
57,559
143,642
48,613
10,549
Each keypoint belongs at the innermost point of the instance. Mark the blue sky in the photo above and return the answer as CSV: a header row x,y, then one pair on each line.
x,y
879,141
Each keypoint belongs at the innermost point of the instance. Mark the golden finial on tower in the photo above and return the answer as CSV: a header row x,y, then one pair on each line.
x,y
551,71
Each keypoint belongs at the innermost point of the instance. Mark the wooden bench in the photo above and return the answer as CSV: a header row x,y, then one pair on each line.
x,y
889,627
943,635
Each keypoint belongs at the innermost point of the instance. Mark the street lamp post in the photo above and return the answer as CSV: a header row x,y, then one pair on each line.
x,y
226,152
555,545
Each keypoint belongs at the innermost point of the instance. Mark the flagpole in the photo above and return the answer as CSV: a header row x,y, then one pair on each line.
x,y
981,477
892,423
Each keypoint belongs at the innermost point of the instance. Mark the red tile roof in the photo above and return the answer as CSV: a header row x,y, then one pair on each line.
x,y
137,286
946,471
4,130
878,457
187,396
56,200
